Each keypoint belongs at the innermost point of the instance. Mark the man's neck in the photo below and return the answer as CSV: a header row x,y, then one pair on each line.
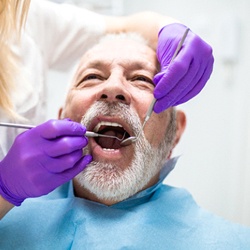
x,y
82,192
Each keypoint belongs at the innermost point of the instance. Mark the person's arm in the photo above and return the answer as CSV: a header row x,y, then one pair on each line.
x,y
72,30
5,207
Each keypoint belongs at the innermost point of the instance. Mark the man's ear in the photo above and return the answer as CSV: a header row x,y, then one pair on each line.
x,y
180,127
60,111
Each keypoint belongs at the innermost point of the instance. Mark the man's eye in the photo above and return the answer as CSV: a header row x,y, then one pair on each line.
x,y
143,79
89,79
143,82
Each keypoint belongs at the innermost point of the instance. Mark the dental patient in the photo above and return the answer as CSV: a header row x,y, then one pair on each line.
x,y
112,90
119,200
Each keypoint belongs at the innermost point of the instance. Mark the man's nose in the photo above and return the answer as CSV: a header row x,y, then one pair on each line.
x,y
114,90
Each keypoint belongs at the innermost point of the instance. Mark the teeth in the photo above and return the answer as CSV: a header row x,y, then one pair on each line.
x,y
112,124
108,149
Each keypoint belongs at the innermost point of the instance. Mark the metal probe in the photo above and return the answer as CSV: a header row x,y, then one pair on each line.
x,y
88,133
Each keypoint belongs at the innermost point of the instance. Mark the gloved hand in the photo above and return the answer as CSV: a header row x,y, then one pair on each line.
x,y
41,159
187,74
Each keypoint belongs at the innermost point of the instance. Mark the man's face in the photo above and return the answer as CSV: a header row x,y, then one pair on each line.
x,y
110,94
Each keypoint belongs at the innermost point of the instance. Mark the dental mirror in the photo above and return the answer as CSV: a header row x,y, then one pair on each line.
x,y
133,139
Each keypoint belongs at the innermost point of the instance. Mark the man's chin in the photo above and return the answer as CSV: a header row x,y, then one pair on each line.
x,y
120,180
108,182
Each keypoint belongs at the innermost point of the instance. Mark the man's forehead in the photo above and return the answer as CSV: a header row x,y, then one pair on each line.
x,y
119,47
122,51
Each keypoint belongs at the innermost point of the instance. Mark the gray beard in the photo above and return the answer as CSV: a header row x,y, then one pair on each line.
x,y
108,181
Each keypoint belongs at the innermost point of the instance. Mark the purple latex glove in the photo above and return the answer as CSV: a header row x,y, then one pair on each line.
x,y
187,74
41,159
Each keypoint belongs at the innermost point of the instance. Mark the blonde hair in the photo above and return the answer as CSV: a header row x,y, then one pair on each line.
x,y
13,15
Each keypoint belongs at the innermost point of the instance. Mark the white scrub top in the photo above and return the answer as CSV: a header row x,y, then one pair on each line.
x,y
55,37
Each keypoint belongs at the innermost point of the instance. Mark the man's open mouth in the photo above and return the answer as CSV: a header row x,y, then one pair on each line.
x,y
116,132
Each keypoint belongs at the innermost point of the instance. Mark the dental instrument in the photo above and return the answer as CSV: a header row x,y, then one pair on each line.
x,y
88,133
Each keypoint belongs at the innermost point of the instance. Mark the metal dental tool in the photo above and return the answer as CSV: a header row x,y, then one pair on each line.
x,y
88,133
133,139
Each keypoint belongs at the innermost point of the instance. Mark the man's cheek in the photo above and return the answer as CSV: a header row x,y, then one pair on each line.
x,y
77,114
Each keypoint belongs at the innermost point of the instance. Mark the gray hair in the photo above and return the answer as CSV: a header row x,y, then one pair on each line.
x,y
128,35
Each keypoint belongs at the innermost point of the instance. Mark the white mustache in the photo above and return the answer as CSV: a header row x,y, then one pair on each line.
x,y
120,110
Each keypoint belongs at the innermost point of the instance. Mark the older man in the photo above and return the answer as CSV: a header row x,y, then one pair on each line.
x,y
118,201
112,90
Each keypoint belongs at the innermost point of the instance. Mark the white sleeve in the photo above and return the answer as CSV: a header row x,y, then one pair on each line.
x,y
62,31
